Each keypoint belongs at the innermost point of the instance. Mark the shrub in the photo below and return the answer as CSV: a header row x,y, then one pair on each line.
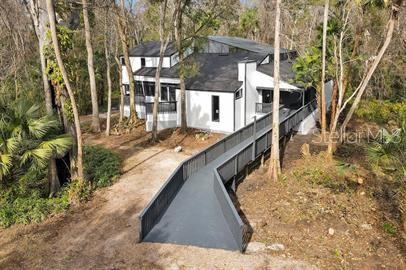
x,y
15,208
101,165
78,191
382,112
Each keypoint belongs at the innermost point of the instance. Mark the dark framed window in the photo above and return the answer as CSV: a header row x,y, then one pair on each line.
x,y
172,93
238,94
138,88
164,93
122,61
215,108
142,62
149,88
168,92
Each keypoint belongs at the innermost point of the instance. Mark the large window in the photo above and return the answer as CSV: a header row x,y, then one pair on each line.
x,y
142,62
138,88
149,89
215,108
168,92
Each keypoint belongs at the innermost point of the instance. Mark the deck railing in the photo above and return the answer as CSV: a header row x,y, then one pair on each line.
x,y
227,171
163,107
263,107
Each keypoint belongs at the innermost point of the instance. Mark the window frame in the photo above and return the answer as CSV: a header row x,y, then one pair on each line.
x,y
213,113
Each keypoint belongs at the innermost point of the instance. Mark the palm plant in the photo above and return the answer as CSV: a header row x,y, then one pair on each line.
x,y
28,140
390,151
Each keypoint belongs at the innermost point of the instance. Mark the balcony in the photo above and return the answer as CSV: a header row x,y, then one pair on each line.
x,y
163,107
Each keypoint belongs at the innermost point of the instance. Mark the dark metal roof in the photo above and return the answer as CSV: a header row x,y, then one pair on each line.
x,y
215,72
245,44
286,71
151,49
165,72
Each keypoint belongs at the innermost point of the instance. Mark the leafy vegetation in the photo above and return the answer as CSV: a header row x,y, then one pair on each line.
x,y
101,165
26,200
28,140
382,111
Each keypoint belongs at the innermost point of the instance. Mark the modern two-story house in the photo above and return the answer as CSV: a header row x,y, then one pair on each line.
x,y
232,84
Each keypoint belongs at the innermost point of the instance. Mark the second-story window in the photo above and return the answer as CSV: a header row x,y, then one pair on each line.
x,y
142,62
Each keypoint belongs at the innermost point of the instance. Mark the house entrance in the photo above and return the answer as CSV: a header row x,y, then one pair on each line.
x,y
266,96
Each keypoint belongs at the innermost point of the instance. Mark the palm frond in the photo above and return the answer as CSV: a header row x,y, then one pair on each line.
x,y
38,128
38,157
58,145
5,164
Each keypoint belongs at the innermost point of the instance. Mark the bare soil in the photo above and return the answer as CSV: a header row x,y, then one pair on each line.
x,y
338,224
103,233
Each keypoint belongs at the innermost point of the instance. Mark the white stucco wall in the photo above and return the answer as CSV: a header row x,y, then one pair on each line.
x,y
167,120
199,111
239,112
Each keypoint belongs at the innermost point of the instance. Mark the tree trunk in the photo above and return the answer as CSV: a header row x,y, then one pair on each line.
x,y
333,103
52,26
107,54
164,44
95,126
119,67
275,165
178,38
39,19
323,73
122,29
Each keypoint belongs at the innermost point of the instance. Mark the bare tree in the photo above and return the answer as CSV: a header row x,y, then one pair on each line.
x,y
61,65
107,47
323,108
122,30
359,91
90,67
120,72
275,165
164,36
178,38
395,8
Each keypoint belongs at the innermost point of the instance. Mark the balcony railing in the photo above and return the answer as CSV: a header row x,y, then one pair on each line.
x,y
163,107
263,107
139,100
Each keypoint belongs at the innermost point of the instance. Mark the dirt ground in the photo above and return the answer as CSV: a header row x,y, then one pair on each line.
x,y
103,233
325,226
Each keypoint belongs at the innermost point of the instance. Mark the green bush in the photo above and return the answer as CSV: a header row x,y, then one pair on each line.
x,y
382,112
15,208
26,200
101,165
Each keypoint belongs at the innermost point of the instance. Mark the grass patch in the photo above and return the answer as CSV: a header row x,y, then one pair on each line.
x,y
389,228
